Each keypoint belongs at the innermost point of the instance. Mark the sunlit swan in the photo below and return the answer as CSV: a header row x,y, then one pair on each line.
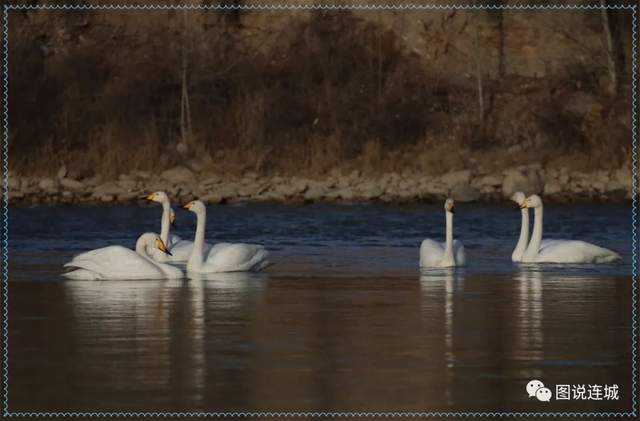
x,y
560,251
449,253
223,257
117,262
523,240
180,249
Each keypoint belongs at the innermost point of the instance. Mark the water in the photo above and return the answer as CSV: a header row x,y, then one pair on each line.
x,y
343,320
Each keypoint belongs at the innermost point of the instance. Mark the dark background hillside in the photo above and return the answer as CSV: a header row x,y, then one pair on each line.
x,y
304,92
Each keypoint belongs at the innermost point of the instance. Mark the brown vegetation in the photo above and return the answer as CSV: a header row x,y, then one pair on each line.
x,y
109,92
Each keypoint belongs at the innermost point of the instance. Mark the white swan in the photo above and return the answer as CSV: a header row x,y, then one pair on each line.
x,y
523,240
560,251
180,249
449,253
117,262
223,257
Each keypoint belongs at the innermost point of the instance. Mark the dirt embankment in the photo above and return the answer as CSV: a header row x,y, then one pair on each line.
x,y
400,99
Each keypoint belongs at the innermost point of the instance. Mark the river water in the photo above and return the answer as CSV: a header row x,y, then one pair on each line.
x,y
343,320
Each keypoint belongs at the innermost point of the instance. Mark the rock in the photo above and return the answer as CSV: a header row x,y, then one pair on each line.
x,y
623,176
314,193
285,190
179,175
515,180
614,186
370,190
210,181
214,198
71,184
551,188
93,181
14,182
143,175
62,172
465,193
563,178
457,177
106,198
346,194
47,185
490,180
127,185
108,189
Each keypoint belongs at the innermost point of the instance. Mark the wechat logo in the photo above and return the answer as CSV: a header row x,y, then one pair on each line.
x,y
536,389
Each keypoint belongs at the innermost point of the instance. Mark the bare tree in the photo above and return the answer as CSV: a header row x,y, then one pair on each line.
x,y
611,60
478,68
185,108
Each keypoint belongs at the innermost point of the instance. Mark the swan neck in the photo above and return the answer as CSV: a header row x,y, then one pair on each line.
x,y
165,223
195,260
448,247
141,246
536,236
521,245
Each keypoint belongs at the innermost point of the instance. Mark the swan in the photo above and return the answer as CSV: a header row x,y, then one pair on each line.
x,y
449,253
223,257
523,240
180,249
560,251
117,262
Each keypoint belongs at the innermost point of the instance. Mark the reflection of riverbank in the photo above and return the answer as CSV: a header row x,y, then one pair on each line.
x,y
464,185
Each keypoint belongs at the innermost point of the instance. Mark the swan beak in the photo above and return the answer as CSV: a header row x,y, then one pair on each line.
x,y
161,246
524,205
188,205
150,196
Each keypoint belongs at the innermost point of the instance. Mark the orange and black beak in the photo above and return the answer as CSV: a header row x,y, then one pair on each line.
x,y
188,205
162,247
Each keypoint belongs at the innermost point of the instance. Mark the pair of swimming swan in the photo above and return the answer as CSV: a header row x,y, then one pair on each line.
x,y
552,251
451,252
152,250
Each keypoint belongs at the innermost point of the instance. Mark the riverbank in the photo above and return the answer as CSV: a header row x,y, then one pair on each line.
x,y
183,184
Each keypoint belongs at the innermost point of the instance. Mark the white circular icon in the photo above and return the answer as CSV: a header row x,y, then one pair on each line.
x,y
543,394
533,386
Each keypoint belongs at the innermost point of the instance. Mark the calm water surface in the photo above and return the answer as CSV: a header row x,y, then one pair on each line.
x,y
343,320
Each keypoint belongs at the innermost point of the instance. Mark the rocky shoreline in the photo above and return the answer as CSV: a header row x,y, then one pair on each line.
x,y
183,184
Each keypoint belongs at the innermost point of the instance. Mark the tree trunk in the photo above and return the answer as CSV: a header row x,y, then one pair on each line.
x,y
611,59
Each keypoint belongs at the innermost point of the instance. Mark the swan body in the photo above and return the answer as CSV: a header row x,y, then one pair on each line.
x,y
117,262
447,254
222,257
523,240
561,251
180,249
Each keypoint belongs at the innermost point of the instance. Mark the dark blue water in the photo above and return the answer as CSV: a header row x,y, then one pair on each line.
x,y
342,321
351,239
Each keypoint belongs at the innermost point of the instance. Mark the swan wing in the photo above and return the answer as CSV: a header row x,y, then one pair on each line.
x,y
236,257
458,252
574,251
115,262
431,253
174,239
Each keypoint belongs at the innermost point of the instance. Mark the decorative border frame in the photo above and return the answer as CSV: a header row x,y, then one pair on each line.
x,y
313,7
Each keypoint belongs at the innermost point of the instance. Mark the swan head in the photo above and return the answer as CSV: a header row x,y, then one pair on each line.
x,y
195,206
158,196
533,201
449,205
152,240
519,198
